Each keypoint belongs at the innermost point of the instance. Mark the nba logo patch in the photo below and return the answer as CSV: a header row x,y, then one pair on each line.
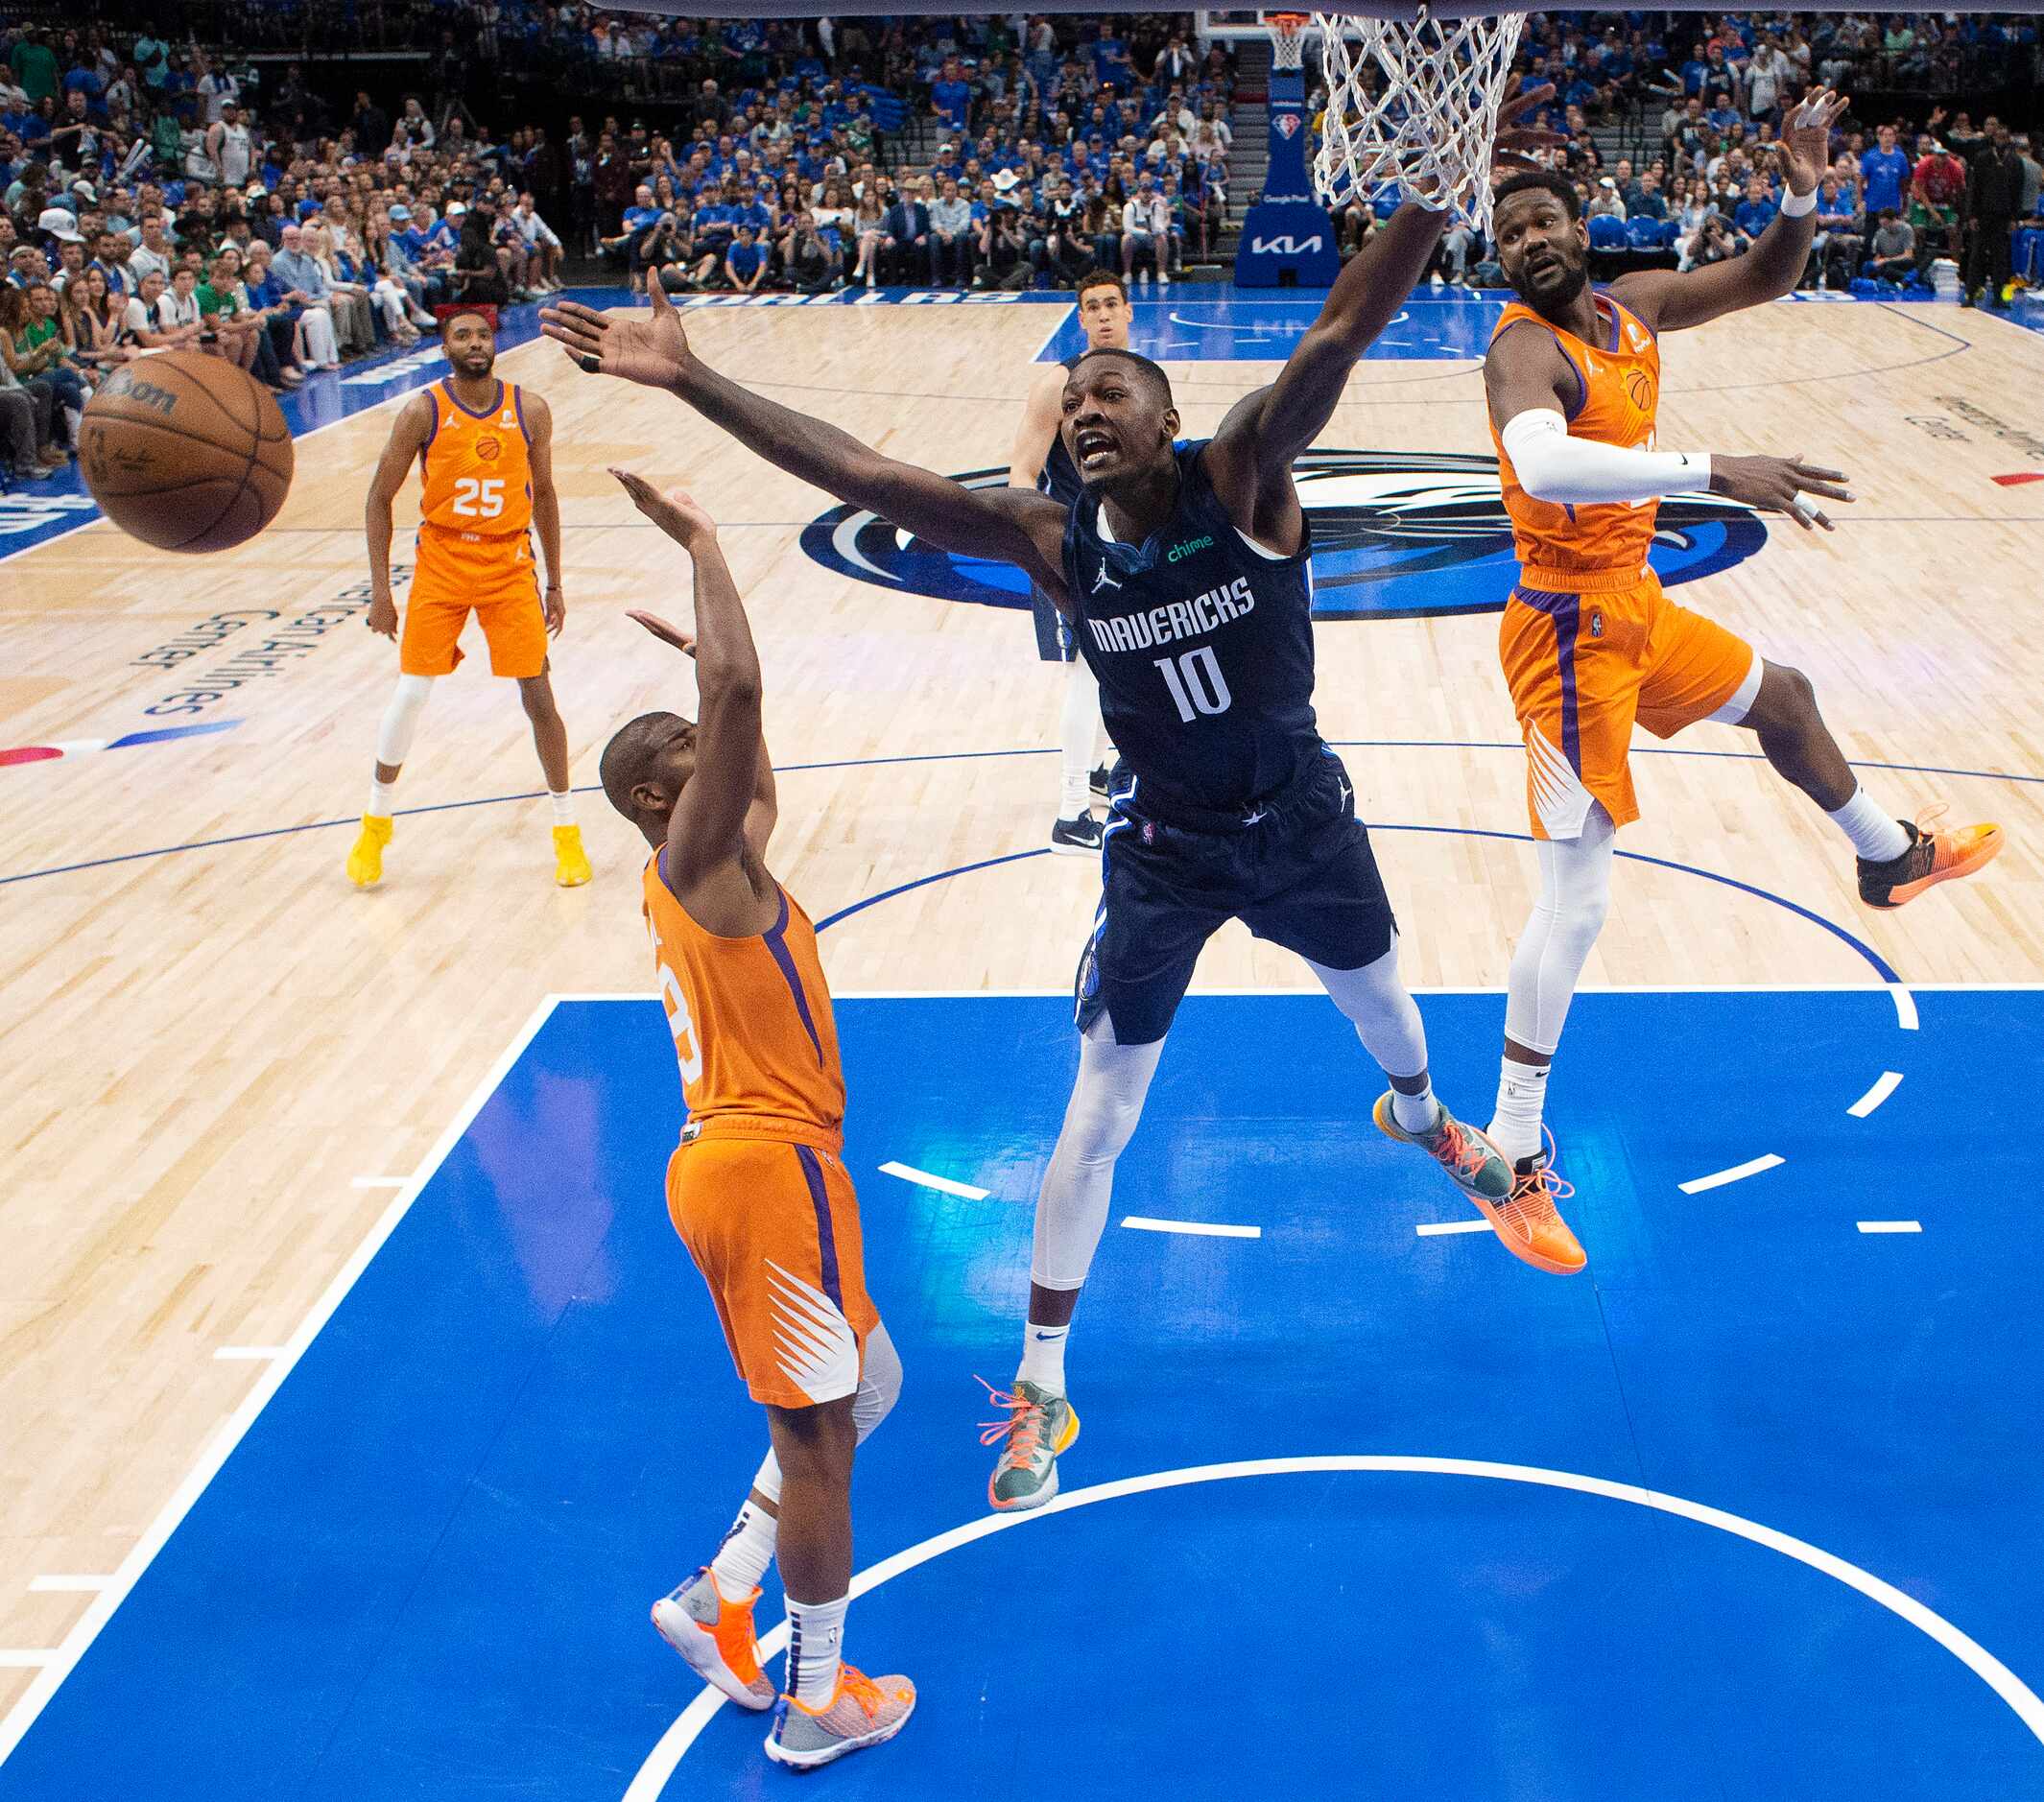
x,y
1286,125
1149,832
1597,624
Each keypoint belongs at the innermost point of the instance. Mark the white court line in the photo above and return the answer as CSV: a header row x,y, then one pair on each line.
x,y
650,1781
1051,335
1433,1229
1890,1226
943,1185
1738,1172
247,1354
60,1664
1891,1080
1905,1006
1205,1229
26,1660
58,1584
379,1182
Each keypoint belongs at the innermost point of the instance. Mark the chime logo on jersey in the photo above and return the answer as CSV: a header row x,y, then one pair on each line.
x,y
1396,535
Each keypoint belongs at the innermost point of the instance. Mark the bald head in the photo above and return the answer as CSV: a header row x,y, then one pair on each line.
x,y
633,770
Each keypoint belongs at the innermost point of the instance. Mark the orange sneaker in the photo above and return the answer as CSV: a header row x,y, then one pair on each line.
x,y
865,1711
1933,857
716,1637
1529,1224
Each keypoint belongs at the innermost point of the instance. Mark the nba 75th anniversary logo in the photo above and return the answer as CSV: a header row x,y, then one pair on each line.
x,y
1396,535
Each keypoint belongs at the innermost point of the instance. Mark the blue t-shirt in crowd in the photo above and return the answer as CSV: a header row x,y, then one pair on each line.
x,y
1883,171
1753,217
951,100
745,259
638,218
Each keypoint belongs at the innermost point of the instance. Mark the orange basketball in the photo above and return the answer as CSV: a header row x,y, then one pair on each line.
x,y
185,451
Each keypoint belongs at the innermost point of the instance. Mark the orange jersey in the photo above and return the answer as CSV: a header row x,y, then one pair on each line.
x,y
478,466
751,1023
1618,385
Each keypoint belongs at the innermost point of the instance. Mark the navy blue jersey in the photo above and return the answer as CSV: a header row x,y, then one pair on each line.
x,y
1060,479
1203,647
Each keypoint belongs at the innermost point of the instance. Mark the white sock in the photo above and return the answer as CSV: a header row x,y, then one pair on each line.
x,y
815,1637
1521,1094
1415,1113
1078,724
383,798
1043,1356
1877,835
748,1548
563,806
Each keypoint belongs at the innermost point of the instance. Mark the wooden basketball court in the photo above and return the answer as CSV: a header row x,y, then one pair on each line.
x,y
217,1050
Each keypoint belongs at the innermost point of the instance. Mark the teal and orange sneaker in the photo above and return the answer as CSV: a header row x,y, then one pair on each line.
x,y
1039,1426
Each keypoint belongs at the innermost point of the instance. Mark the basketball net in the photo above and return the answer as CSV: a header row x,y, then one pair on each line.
x,y
1413,104
1288,39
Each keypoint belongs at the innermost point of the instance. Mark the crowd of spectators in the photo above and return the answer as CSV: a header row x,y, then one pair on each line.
x,y
1704,98
1049,154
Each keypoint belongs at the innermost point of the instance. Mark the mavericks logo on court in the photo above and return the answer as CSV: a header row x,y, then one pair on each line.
x,y
1396,535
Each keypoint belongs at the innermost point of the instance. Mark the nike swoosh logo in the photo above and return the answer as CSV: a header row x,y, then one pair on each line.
x,y
1049,1335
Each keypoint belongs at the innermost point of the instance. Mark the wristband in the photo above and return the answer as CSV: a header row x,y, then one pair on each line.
x,y
1795,205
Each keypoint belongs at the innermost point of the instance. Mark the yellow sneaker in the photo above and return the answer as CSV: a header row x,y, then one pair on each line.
x,y
571,863
364,862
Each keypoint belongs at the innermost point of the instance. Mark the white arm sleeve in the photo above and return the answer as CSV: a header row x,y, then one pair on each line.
x,y
1579,471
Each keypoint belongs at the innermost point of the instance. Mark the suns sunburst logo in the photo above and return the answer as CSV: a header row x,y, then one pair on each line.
x,y
1396,535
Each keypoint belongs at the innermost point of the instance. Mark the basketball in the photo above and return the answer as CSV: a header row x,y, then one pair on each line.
x,y
185,452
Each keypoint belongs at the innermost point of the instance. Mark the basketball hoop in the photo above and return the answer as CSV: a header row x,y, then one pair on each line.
x,y
1288,39
1430,129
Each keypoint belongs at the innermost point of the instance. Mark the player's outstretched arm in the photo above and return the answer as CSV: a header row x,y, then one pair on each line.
x,y
707,833
1253,451
408,438
1529,383
1019,527
1669,301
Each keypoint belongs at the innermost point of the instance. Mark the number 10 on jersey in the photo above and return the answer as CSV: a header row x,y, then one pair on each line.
x,y
1195,682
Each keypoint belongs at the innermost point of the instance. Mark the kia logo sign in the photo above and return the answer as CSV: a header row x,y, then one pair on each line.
x,y
1286,245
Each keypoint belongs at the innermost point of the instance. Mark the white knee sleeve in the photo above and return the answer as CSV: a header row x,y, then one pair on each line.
x,y
1381,1009
1575,895
400,718
879,1383
1072,1206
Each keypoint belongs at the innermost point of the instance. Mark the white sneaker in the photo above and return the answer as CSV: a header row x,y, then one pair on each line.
x,y
1163,280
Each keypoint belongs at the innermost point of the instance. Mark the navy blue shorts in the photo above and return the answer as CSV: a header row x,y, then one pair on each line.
x,y
1055,639
1303,876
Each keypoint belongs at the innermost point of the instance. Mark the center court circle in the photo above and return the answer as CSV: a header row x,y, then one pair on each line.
x,y
674,1744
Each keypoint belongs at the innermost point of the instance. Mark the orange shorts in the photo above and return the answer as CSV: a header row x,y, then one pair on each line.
x,y
774,1227
1582,667
458,573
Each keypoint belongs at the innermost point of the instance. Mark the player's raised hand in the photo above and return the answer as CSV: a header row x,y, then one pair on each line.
x,y
676,513
1777,485
653,352
1515,143
1806,139
683,642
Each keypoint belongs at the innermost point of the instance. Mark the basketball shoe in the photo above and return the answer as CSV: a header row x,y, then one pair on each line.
x,y
1529,1224
1038,1427
571,863
1933,857
716,1637
364,862
1076,838
865,1711
1477,1167
1097,781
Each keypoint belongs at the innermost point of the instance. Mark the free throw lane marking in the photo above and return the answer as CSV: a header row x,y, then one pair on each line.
x,y
1432,1229
26,1660
650,1782
943,1185
1205,1230
1905,1006
1752,1166
1890,1226
1891,1080
60,1584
